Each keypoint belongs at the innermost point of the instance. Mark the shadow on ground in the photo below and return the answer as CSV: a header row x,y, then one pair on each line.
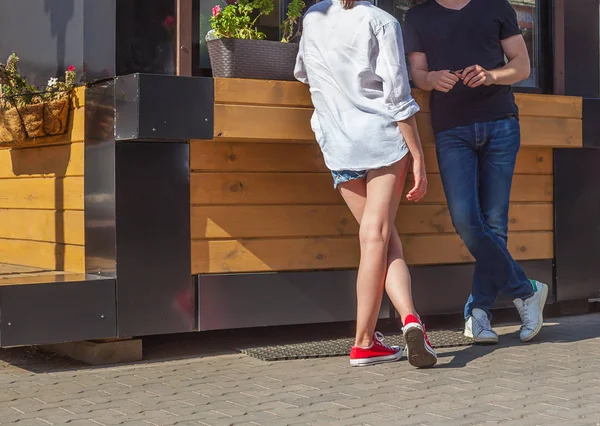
x,y
159,349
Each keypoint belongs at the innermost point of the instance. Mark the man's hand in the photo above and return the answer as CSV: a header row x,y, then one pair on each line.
x,y
442,81
420,189
475,76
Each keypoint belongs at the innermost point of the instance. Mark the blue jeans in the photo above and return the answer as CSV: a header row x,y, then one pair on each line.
x,y
477,163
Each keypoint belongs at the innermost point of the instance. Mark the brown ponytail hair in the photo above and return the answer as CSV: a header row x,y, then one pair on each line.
x,y
348,4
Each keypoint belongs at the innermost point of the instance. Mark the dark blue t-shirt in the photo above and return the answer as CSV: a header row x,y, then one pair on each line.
x,y
456,39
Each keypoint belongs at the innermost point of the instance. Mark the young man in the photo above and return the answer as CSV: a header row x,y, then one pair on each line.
x,y
467,53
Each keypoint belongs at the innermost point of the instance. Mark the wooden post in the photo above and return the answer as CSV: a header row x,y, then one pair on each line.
x,y
184,37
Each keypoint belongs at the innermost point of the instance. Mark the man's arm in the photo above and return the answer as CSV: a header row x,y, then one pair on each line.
x,y
424,79
517,69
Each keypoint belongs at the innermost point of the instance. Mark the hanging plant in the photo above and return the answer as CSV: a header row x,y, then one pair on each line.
x,y
27,112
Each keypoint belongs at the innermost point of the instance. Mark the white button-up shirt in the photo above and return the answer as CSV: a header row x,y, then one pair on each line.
x,y
353,60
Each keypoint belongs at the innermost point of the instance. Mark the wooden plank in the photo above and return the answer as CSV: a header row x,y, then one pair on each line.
x,y
273,124
48,193
261,92
530,105
551,132
43,255
343,252
262,122
550,106
245,156
64,227
535,131
226,222
47,161
317,188
295,94
274,157
10,269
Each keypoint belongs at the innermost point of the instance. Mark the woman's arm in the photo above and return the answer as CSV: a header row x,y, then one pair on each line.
x,y
409,131
390,66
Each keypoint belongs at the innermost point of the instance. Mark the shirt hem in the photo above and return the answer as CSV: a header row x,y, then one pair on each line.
x,y
403,154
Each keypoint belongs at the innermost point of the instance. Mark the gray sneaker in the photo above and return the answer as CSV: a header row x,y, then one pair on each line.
x,y
478,327
532,311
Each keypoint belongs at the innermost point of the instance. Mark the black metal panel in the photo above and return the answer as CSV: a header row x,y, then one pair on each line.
x,y
137,218
255,300
72,308
155,289
591,123
46,34
577,222
267,299
99,180
444,289
161,107
582,48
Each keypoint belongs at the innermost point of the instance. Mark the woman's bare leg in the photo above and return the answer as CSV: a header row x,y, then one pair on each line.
x,y
374,204
398,282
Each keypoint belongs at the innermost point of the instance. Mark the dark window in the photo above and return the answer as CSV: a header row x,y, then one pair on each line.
x,y
529,15
146,36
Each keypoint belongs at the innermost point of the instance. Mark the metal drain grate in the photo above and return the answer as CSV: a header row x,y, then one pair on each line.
x,y
341,347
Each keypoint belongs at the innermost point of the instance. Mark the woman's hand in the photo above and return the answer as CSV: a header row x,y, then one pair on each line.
x,y
420,189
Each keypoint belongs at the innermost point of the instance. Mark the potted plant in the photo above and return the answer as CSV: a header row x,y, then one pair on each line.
x,y
237,49
27,113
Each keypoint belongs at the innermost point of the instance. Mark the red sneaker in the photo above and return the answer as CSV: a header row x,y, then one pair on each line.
x,y
419,351
378,352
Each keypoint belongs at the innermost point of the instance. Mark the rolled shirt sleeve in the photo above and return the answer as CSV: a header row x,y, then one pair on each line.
x,y
391,68
300,68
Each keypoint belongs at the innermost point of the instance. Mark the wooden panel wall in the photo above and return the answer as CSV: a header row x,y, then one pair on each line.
x,y
263,200
41,200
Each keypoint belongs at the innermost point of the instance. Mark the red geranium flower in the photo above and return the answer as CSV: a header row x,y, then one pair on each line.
x,y
169,20
216,10
71,68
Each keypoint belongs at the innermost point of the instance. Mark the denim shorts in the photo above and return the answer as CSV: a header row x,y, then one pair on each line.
x,y
343,176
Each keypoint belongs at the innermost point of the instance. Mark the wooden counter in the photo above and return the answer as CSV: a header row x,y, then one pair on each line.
x,y
263,200
41,201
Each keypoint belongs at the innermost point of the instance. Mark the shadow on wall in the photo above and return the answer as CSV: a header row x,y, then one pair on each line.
x,y
60,13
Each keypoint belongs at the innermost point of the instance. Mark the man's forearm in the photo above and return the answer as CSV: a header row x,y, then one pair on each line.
x,y
513,72
421,80
409,131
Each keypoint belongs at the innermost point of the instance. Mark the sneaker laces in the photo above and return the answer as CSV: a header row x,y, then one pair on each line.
x,y
380,338
525,317
483,323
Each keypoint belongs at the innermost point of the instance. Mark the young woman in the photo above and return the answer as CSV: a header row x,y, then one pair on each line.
x,y
351,55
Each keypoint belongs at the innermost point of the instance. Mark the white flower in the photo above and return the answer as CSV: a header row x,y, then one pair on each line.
x,y
52,82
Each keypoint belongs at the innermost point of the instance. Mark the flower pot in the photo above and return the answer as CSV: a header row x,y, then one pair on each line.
x,y
259,59
35,121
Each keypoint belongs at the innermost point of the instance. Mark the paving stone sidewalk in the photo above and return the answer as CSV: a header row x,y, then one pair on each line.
x,y
553,381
